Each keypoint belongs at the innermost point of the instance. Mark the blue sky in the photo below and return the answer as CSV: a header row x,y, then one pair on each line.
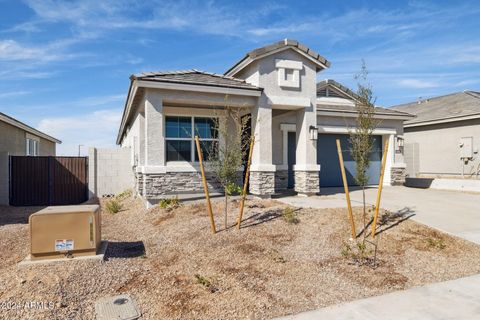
x,y
64,65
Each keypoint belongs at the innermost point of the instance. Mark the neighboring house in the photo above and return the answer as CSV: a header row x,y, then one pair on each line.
x,y
19,139
443,141
295,122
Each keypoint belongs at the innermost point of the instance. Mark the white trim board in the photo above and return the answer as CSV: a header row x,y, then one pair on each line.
x,y
288,103
445,120
199,88
353,114
345,130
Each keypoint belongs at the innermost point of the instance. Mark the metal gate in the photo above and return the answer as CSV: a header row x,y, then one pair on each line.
x,y
43,181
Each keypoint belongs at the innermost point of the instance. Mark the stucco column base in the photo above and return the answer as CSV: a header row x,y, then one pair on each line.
x,y
307,183
262,183
398,173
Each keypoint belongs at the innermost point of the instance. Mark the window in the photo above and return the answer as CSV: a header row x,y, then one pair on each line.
x,y
32,147
180,135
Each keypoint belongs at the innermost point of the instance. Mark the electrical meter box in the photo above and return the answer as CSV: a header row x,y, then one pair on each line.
x,y
466,147
60,231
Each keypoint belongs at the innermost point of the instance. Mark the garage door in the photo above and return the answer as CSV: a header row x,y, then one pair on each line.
x,y
327,157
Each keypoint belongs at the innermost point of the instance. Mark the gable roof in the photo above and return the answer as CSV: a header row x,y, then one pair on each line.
x,y
14,122
451,107
345,103
275,47
195,77
332,83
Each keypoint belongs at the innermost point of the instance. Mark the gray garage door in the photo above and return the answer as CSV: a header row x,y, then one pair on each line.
x,y
327,157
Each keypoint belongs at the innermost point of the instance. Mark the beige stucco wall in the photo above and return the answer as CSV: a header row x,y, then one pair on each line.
x,y
13,141
4,178
145,136
439,147
266,122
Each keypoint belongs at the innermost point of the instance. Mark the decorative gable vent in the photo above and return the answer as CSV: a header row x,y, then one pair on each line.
x,y
334,93
288,73
322,92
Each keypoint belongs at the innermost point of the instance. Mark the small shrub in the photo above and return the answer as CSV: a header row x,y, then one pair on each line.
x,y
124,195
358,253
169,203
113,206
206,283
277,257
289,216
436,243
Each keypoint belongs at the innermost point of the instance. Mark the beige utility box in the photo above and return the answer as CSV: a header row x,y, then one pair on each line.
x,y
59,231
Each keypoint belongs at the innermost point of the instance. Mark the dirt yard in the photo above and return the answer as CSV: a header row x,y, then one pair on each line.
x,y
173,266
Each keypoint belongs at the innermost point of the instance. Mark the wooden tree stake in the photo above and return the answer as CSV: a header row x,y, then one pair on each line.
x,y
345,186
205,185
380,186
245,183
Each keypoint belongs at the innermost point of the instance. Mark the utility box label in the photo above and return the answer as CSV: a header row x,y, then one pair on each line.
x,y
64,245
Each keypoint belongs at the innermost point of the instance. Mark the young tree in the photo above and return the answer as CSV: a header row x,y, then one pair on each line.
x,y
361,139
226,158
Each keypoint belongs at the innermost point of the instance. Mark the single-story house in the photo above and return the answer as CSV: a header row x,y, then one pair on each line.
x,y
19,139
294,119
443,141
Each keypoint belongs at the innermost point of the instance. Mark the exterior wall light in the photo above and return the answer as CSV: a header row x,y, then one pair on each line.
x,y
313,133
400,141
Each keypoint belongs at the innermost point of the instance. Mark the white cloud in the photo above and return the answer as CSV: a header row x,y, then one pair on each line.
x,y
11,50
14,93
95,129
418,84
99,100
92,18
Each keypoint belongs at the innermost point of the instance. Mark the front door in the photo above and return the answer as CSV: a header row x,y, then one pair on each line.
x,y
292,144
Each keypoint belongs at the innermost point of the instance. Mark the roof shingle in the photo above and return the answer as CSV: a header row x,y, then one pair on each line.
x,y
278,45
195,77
453,105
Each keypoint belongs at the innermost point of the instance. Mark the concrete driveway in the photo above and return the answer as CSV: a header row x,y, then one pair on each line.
x,y
457,213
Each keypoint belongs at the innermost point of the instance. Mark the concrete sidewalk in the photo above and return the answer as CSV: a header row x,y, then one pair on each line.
x,y
454,212
455,300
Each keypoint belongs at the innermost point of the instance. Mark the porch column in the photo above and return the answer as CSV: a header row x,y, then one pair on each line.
x,y
306,168
154,131
262,171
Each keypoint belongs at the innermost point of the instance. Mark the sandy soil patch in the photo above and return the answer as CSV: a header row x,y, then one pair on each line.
x,y
176,269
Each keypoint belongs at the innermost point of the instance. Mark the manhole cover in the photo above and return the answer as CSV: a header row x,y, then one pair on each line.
x,y
119,307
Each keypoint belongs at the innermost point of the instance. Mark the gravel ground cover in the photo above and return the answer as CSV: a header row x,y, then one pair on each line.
x,y
169,261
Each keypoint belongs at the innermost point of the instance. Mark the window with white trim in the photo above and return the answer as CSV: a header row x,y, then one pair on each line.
x,y
180,135
31,147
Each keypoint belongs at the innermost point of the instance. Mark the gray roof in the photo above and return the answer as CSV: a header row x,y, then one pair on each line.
x,y
195,77
353,96
443,108
352,109
278,45
27,128
330,82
